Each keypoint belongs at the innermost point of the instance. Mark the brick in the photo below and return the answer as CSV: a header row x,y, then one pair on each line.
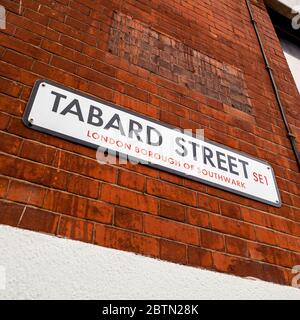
x,y
64,29
71,43
171,210
275,274
171,192
36,29
128,219
172,251
230,210
208,203
197,217
237,246
194,185
166,176
270,254
137,93
131,180
56,178
11,5
29,37
232,227
55,74
60,202
26,193
30,171
146,171
253,216
79,26
37,152
23,47
93,210
9,87
287,242
3,186
17,59
58,49
82,186
171,230
212,240
96,90
53,14
87,167
76,229
9,143
64,64
238,113
11,105
135,105
190,103
170,118
104,68
129,199
283,225
199,257
127,241
81,7
12,72
35,16
10,213
100,78
265,235
296,258
186,71
232,265
202,120
136,81
4,120
39,220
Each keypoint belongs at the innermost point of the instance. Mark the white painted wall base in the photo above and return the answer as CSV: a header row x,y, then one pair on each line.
x,y
38,266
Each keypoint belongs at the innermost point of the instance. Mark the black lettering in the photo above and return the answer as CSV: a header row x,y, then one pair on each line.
x,y
95,113
119,125
136,131
194,145
232,165
208,156
244,163
68,109
151,143
58,96
184,149
220,160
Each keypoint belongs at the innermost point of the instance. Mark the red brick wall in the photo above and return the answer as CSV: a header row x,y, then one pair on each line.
x,y
187,63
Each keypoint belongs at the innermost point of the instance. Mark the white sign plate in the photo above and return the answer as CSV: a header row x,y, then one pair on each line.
x,y
83,119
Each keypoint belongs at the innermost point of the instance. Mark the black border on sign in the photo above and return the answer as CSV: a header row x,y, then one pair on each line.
x,y
123,155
